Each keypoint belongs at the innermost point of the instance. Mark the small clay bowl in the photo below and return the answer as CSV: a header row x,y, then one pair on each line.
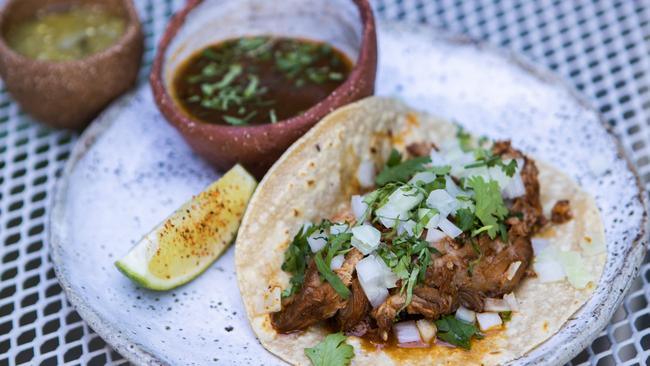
x,y
68,94
346,24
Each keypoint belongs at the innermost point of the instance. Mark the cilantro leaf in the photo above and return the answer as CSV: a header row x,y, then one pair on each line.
x,y
464,219
394,158
456,332
441,170
329,275
464,139
332,351
509,168
506,316
295,260
489,203
402,171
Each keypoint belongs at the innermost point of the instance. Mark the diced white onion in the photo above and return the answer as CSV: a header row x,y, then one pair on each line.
x,y
406,227
512,270
359,207
487,321
467,204
317,240
375,277
426,177
399,203
433,220
498,175
338,228
306,226
376,295
337,262
405,198
427,329
390,216
376,271
453,189
515,188
458,159
365,238
366,174
539,245
437,159
511,299
480,171
465,314
442,201
434,235
575,269
548,270
449,228
270,301
406,332
496,305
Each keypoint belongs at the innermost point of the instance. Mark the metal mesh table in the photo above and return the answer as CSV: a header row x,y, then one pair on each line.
x,y
601,47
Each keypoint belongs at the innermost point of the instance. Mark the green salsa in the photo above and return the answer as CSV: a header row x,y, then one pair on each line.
x,y
256,80
70,34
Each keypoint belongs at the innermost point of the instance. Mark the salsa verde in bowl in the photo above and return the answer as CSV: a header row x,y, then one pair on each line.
x,y
242,80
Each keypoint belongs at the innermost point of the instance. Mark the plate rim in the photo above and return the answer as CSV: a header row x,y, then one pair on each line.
x,y
136,354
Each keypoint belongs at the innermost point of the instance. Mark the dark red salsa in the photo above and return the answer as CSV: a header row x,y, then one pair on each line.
x,y
256,80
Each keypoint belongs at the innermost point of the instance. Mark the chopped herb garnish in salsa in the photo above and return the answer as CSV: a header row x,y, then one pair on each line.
x,y
256,80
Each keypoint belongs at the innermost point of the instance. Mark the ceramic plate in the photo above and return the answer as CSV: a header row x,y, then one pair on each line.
x,y
130,169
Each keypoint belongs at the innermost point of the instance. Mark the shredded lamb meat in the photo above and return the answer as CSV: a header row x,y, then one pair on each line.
x,y
466,271
561,212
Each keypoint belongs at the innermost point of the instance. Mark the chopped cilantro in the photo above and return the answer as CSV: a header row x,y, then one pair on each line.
x,y
399,257
484,157
510,168
394,158
329,275
440,170
489,204
464,139
295,260
297,256
402,171
456,332
506,316
464,219
332,351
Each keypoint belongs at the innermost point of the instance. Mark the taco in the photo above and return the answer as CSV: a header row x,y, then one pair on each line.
x,y
386,236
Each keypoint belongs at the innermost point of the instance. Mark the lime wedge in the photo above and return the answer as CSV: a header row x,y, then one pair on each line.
x,y
193,237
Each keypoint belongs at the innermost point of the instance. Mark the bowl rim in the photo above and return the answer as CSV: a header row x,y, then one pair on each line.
x,y
175,114
131,32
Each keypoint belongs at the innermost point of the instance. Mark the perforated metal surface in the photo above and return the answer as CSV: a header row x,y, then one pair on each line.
x,y
601,47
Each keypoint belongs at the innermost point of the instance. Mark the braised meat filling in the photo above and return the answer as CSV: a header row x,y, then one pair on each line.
x,y
433,237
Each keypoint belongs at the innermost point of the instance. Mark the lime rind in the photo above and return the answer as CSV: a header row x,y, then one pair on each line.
x,y
136,264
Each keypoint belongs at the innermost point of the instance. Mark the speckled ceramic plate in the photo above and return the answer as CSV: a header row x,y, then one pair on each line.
x,y
130,169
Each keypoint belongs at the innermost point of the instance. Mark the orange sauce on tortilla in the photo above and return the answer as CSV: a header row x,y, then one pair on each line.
x,y
480,348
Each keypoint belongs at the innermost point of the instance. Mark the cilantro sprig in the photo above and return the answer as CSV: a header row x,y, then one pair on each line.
x,y
400,171
457,332
490,209
295,260
297,256
332,351
408,257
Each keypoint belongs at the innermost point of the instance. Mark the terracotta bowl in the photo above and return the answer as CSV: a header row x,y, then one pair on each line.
x,y
346,24
69,94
